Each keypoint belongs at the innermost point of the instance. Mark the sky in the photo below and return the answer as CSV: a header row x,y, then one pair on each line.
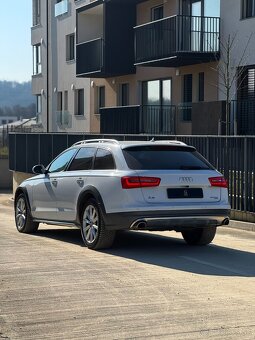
x,y
15,40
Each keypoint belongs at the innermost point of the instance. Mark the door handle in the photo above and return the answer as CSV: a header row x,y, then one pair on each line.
x,y
54,182
80,181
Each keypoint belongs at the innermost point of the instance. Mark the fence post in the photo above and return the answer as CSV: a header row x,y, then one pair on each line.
x,y
245,167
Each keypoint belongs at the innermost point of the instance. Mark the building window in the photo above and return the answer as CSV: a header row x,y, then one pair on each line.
x,y
38,104
201,84
37,59
157,92
187,97
124,95
66,100
157,13
101,96
248,8
79,102
70,39
36,12
246,83
59,101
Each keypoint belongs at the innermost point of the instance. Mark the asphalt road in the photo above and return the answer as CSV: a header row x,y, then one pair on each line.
x,y
150,285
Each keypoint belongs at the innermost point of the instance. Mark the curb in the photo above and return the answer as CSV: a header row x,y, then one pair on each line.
x,y
241,225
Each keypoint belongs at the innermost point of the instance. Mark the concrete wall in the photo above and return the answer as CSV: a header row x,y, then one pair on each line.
x,y
19,177
5,175
233,25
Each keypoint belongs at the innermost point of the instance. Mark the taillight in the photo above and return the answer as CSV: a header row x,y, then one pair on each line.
x,y
218,182
133,182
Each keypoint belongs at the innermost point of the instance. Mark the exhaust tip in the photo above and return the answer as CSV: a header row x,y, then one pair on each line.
x,y
226,221
138,225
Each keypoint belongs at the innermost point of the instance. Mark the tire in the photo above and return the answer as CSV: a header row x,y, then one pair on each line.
x,y
199,236
93,231
23,218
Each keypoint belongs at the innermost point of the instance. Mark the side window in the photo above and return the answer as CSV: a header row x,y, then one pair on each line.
x,y
60,163
104,160
83,160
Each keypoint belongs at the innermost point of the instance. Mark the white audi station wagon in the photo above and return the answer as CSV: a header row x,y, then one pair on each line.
x,y
104,185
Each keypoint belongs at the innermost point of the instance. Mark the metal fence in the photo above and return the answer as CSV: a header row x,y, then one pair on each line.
x,y
233,156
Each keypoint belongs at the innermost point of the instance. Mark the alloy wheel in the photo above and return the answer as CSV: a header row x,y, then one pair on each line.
x,y
21,213
90,224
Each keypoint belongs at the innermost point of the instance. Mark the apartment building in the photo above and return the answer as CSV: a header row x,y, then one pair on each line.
x,y
63,100
139,66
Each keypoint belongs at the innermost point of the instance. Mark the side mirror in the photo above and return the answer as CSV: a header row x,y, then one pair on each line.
x,y
39,169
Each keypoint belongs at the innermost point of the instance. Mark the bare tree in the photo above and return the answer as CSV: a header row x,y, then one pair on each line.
x,y
230,71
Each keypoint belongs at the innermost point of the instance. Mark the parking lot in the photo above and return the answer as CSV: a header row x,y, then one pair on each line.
x,y
149,285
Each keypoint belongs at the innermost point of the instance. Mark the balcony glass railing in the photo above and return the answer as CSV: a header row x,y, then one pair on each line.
x,y
61,8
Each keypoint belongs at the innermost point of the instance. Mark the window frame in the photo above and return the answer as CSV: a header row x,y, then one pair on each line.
x,y
201,87
92,162
124,94
67,164
37,59
38,104
246,12
70,47
95,157
36,13
100,98
155,8
80,102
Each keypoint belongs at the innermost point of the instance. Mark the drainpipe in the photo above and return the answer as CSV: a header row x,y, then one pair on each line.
x,y
47,65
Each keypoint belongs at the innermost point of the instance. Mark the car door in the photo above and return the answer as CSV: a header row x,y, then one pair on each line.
x,y
45,188
71,182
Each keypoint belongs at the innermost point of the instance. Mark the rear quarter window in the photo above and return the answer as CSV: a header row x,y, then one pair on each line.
x,y
104,160
164,157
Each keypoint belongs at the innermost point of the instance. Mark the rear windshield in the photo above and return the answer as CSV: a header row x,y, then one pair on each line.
x,y
164,157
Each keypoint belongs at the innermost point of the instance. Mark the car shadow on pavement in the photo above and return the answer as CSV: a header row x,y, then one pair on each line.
x,y
168,252
70,235
174,253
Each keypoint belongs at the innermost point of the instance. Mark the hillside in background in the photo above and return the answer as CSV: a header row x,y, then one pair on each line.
x,y
13,93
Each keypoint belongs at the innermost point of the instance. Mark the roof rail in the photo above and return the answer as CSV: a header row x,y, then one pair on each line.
x,y
170,141
87,141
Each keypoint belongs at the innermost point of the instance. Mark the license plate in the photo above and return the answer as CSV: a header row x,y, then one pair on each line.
x,y
185,193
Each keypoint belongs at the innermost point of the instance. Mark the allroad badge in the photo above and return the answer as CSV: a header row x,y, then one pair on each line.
x,y
186,179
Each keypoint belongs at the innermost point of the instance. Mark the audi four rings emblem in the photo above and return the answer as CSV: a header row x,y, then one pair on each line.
x,y
186,179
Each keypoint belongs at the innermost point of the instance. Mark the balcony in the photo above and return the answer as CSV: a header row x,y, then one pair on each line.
x,y
105,39
89,57
61,8
151,119
177,41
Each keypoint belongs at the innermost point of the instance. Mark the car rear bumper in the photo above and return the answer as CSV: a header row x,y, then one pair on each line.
x,y
165,220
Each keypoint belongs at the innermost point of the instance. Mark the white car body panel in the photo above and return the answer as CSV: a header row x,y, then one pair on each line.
x,y
54,196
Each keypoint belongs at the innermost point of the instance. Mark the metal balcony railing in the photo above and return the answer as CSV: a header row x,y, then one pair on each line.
x,y
165,38
89,57
153,119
